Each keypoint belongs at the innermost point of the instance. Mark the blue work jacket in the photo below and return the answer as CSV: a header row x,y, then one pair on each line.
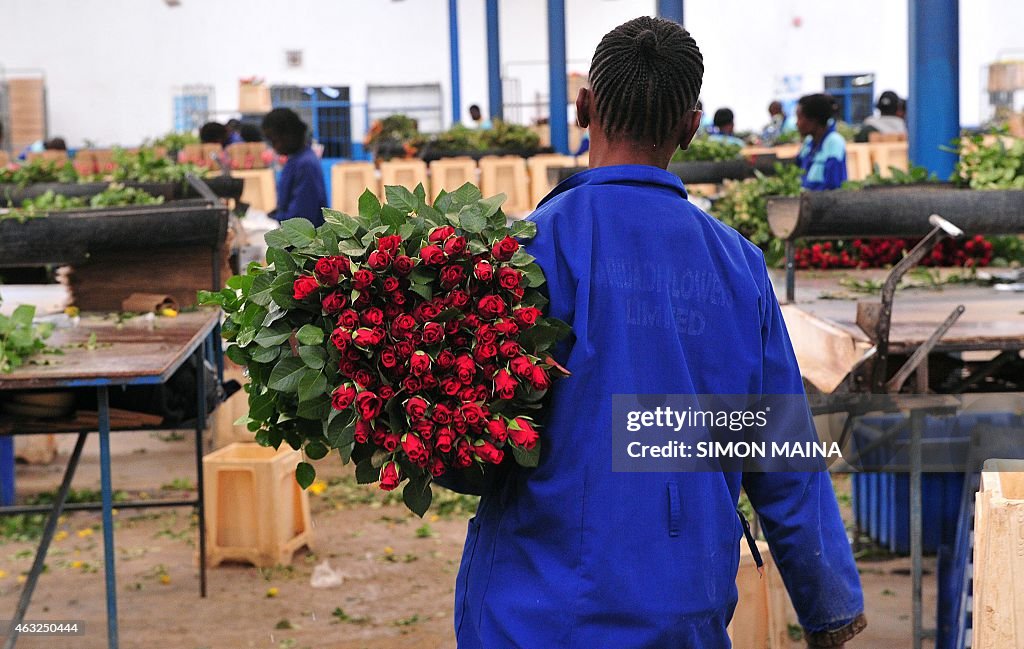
x,y
662,298
301,192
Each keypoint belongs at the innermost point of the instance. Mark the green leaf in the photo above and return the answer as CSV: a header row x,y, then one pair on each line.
x,y
340,429
266,354
237,355
417,496
314,409
369,206
534,275
316,451
472,219
300,232
420,193
490,206
526,458
340,223
351,248
314,356
524,229
287,373
468,193
430,214
305,473
276,238
210,297
443,203
23,314
401,198
273,335
281,260
522,258
392,217
310,335
260,293
366,473
423,290
311,384
406,230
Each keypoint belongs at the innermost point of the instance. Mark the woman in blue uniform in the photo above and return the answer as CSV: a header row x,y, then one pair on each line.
x,y
300,188
823,156
662,299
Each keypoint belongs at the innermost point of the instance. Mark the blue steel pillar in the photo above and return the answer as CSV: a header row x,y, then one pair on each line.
x,y
671,10
495,100
557,84
453,38
933,107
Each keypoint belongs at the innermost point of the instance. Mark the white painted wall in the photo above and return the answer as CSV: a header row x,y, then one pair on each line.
x,y
112,65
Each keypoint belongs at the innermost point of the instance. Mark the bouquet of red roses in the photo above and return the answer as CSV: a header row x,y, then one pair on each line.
x,y
410,339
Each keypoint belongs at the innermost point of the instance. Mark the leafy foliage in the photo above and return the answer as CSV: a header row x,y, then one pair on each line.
x,y
743,206
115,195
20,338
705,149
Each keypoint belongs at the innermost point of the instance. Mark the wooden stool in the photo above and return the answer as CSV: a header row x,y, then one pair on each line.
x,y
448,174
348,182
506,175
407,173
858,161
258,189
255,511
538,166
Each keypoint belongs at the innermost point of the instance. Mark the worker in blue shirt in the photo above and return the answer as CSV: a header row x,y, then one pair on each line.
x,y
662,299
823,156
723,128
300,188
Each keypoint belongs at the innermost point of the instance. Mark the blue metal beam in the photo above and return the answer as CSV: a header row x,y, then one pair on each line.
x,y
494,97
671,10
933,107
557,84
453,38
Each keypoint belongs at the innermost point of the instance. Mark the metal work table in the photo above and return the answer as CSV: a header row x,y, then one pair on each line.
x,y
135,352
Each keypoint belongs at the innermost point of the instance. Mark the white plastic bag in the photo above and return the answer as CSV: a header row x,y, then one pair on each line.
x,y
324,576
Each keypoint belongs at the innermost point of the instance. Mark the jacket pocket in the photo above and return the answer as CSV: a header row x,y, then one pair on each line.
x,y
674,509
462,581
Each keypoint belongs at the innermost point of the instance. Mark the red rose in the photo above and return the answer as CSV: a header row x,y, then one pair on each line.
x,y
369,405
334,303
391,442
455,246
419,363
504,249
392,311
372,317
458,299
389,244
348,319
353,354
343,396
412,384
460,427
508,278
496,428
363,300
526,316
473,413
491,306
389,477
505,384
522,366
432,255
465,368
404,349
467,393
416,407
486,334
483,271
463,455
482,393
365,338
507,327
364,430
445,439
327,269
429,381
362,279
341,339
442,414
386,392
347,368
388,357
304,287
397,297
363,378
403,265
509,349
391,284
436,467
445,359
378,260
380,435
432,333
423,428
488,452
451,276
440,234
414,448
471,322
522,433
402,325
450,386
540,378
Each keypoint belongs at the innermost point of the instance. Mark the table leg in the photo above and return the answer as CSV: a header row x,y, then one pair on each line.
x,y
44,541
103,398
200,493
7,463
917,423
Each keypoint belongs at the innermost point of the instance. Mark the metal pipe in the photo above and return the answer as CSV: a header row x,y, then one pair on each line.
x,y
558,119
933,107
200,427
453,40
494,91
103,397
916,432
671,10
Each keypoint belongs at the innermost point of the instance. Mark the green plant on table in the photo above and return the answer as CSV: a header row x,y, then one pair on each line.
x,y
147,165
39,170
115,195
989,163
912,176
703,149
20,338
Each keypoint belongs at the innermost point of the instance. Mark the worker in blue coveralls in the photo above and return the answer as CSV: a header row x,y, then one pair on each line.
x,y
571,555
823,156
301,192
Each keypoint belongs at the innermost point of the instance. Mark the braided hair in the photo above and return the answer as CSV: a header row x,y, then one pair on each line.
x,y
645,75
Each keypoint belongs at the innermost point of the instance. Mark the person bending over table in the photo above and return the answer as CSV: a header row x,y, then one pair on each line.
x,y
301,192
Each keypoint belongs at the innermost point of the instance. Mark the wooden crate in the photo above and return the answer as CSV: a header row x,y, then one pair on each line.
x,y
225,431
999,557
348,182
885,155
407,173
538,167
506,175
449,174
255,510
763,612
259,190
858,161
254,98
26,104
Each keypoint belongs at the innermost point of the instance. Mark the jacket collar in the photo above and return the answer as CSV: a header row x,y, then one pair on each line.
x,y
619,175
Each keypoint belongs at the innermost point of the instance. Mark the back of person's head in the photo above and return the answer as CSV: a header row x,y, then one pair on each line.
x,y
285,129
213,133
55,144
645,75
250,133
888,103
723,117
234,125
819,108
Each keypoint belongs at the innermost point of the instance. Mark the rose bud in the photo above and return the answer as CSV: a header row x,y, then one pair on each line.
x,y
473,413
389,244
304,287
369,405
497,429
363,378
412,384
486,334
363,300
341,339
504,249
398,297
507,327
436,467
526,316
362,279
458,299
392,311
363,431
442,414
508,278
343,396
488,452
389,477
419,364
509,349
491,306
327,271
450,386
372,317
424,429
433,333
380,435
463,455
414,448
388,357
523,433
386,392
432,255
482,393
416,408
451,276
365,338
404,349
445,439
403,265
505,384
471,322
445,359
378,335
540,378
429,381
348,368
483,271
403,324
440,234
485,352
348,319
465,368
521,366
378,260
391,284
455,246
391,442
334,303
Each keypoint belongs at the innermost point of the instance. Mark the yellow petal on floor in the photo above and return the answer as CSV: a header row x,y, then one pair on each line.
x,y
165,579
84,532
272,592
61,535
